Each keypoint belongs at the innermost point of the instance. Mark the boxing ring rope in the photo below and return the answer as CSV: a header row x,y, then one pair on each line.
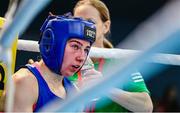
x,y
7,55
168,59
7,39
115,74
24,15
159,42
161,24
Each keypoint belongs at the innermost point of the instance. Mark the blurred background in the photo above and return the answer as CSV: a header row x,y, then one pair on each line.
x,y
126,16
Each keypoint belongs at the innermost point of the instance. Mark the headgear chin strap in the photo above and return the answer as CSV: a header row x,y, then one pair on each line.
x,y
56,31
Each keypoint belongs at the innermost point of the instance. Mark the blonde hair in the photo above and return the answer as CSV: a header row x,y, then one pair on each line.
x,y
104,15
107,43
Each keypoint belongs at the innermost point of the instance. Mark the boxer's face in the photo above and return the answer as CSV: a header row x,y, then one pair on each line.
x,y
75,54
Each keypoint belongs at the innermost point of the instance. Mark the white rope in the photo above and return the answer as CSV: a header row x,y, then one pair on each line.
x,y
13,26
28,45
9,84
30,8
170,59
105,84
116,74
7,54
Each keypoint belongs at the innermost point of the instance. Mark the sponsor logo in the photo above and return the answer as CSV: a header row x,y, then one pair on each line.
x,y
90,33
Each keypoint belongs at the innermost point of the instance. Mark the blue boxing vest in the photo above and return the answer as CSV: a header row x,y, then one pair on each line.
x,y
45,94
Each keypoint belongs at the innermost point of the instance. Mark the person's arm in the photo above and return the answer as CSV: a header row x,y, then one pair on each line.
x,y
133,101
26,91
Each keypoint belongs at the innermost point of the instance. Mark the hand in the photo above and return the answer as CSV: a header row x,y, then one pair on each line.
x,y
89,77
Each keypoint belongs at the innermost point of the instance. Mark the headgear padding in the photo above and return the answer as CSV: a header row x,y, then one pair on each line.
x,y
56,31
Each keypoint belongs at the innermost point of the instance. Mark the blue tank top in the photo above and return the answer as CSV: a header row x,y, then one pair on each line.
x,y
45,94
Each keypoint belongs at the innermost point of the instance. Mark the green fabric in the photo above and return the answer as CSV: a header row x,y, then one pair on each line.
x,y
105,104
73,78
136,87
